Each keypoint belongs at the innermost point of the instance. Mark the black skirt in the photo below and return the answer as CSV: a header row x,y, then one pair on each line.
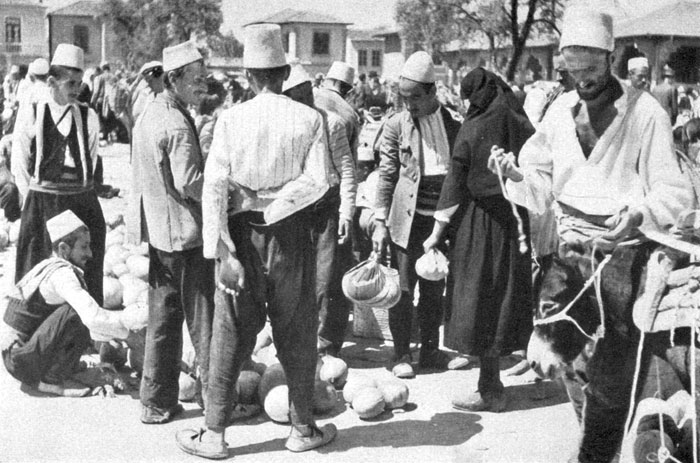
x,y
491,286
34,244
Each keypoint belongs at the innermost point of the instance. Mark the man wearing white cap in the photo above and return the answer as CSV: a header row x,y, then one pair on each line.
x,y
603,158
147,85
330,96
35,81
638,73
54,153
266,165
50,317
165,208
332,220
415,152
666,94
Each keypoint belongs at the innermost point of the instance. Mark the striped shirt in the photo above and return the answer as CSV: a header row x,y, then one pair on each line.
x,y
259,147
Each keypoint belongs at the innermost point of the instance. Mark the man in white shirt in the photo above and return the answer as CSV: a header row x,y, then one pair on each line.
x,y
50,317
269,155
332,220
638,73
603,158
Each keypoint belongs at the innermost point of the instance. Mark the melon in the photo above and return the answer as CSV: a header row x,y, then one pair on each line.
x,y
277,404
395,393
114,238
274,376
334,370
187,387
119,269
354,384
116,254
141,249
247,387
112,293
14,231
114,220
368,403
133,287
4,239
135,316
138,266
142,298
107,268
325,397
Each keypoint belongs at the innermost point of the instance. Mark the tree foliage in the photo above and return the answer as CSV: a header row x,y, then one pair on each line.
x,y
431,24
144,27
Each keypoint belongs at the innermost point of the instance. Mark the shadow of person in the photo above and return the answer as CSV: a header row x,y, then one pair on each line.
x,y
535,395
443,429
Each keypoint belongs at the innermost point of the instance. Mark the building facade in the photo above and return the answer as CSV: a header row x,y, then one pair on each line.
x,y
24,29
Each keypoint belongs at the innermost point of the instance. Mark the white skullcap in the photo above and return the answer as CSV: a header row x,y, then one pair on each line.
x,y
39,67
297,76
63,225
263,47
180,55
419,67
584,27
637,63
69,56
341,71
150,65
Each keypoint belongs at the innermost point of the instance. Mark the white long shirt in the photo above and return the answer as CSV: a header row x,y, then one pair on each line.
x,y
259,147
436,147
633,164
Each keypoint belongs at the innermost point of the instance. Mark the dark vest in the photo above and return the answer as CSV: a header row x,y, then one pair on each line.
x,y
53,172
25,316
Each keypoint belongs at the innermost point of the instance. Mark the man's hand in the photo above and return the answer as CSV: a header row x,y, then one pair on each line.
x,y
344,227
621,226
506,162
230,276
380,238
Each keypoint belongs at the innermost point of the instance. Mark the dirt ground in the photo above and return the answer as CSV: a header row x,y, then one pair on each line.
x,y
35,428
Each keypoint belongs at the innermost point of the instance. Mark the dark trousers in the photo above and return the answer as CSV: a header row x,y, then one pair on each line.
x,y
52,352
9,201
181,289
430,302
332,260
279,268
34,243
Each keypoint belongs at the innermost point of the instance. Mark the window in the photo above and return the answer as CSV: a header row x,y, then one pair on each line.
x,y
321,43
376,58
13,30
81,37
285,42
362,57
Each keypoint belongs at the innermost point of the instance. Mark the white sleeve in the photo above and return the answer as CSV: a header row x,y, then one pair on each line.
x,y
22,137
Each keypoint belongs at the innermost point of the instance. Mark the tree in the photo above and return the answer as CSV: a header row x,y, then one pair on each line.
x,y
144,27
499,21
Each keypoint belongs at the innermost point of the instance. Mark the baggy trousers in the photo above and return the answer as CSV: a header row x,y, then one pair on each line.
x,y
181,289
52,352
279,265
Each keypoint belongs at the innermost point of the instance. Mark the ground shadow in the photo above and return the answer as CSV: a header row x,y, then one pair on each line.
x,y
535,395
443,429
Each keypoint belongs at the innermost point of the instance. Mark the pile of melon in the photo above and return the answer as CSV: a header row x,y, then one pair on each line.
x,y
9,231
369,397
125,283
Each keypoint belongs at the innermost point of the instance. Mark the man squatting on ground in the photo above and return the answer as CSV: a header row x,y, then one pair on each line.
x,y
603,158
54,152
51,317
166,211
269,155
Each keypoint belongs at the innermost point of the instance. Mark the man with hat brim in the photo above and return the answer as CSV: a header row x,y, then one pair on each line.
x,y
148,84
638,73
604,154
330,96
332,220
51,318
269,156
54,153
666,94
415,151
165,207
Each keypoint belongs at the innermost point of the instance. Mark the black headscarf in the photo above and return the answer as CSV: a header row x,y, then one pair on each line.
x,y
482,87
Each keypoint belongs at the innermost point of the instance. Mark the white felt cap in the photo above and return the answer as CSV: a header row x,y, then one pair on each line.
x,y
637,63
63,225
341,71
297,76
419,67
584,27
150,65
263,47
39,67
180,55
69,56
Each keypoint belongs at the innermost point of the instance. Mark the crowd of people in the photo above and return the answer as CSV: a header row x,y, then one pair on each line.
x,y
253,207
